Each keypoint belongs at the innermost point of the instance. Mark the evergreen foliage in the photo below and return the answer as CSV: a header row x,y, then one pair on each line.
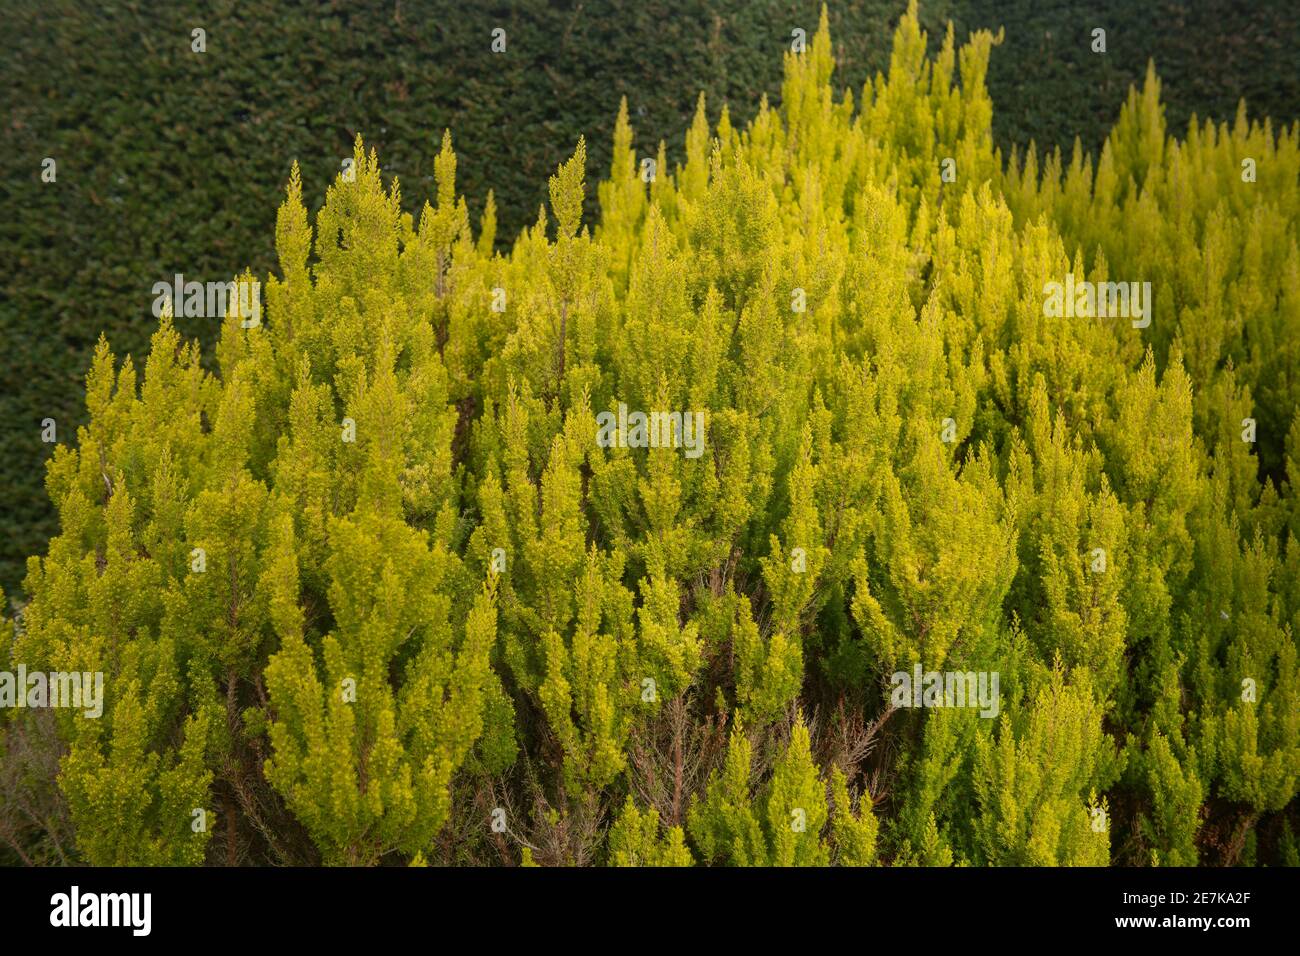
x,y
372,586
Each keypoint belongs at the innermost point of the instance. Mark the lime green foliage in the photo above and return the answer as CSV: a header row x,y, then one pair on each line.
x,y
139,195
852,831
1035,783
786,821
430,591
777,825
634,840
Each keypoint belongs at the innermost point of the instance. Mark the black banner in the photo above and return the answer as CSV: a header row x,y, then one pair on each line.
x,y
942,907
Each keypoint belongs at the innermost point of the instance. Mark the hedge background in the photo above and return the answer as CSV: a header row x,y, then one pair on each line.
x,y
171,161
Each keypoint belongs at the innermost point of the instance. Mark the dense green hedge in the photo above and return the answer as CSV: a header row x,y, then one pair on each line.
x,y
169,161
